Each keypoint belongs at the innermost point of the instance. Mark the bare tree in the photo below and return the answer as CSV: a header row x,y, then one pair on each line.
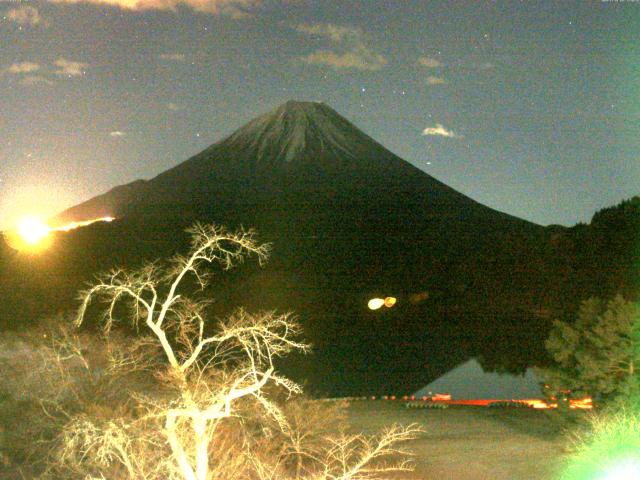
x,y
343,456
203,375
249,343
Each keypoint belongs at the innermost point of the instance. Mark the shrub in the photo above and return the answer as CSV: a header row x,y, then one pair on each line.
x,y
427,405
509,404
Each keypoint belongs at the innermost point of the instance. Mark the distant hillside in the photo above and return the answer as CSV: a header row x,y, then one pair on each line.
x,y
603,257
348,220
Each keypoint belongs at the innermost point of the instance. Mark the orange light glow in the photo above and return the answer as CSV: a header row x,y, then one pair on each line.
x,y
441,397
580,403
419,297
583,404
390,302
538,404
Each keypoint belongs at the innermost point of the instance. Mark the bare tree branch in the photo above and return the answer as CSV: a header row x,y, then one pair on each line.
x,y
208,375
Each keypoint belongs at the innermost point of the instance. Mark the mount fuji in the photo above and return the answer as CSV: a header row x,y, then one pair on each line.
x,y
348,220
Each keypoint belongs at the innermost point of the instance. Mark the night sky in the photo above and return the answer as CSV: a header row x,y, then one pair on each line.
x,y
531,108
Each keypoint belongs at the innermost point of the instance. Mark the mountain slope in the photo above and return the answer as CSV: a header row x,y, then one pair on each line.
x,y
299,149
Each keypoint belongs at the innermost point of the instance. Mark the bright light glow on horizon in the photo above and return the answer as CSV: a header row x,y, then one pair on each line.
x,y
32,230
32,234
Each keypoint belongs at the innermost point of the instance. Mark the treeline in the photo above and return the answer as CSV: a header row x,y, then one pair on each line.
x,y
599,259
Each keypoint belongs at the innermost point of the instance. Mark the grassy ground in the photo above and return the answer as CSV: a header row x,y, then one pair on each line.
x,y
460,443
472,443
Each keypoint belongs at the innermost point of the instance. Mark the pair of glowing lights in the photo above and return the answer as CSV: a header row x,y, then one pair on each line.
x,y
376,303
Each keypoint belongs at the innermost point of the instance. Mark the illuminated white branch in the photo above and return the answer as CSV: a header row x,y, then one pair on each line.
x,y
211,369
253,341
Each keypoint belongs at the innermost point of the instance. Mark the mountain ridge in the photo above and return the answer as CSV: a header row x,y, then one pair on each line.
x,y
303,147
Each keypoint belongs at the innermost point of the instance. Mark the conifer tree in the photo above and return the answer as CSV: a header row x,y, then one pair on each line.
x,y
599,354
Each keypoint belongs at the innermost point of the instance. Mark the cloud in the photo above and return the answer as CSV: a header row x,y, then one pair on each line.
x,y
117,133
431,80
62,67
356,59
352,49
172,57
335,33
440,131
69,68
23,67
35,80
24,16
231,8
432,62
429,62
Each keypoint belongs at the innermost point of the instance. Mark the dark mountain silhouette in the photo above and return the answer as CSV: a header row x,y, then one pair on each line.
x,y
302,150
348,220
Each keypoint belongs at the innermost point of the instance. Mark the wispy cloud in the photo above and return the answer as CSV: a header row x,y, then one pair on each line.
x,y
432,80
117,133
440,131
173,57
433,62
360,59
24,15
23,67
336,33
35,80
61,68
352,50
231,8
429,62
70,68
